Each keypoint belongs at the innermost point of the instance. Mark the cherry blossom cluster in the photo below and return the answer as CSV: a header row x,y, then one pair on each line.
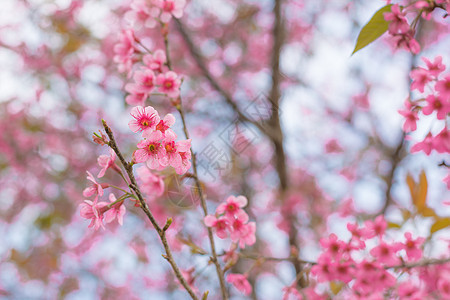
x,y
231,221
148,13
400,30
154,75
436,90
159,149
403,32
370,270
151,77
99,212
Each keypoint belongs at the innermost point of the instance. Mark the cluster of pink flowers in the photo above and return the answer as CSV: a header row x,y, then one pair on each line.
x,y
158,148
152,77
347,261
148,13
401,31
436,99
99,212
124,51
231,220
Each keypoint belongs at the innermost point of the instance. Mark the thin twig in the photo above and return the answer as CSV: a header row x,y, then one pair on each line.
x,y
423,263
205,211
213,258
161,231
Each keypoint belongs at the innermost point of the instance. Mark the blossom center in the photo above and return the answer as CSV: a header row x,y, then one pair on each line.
x,y
170,147
168,84
152,148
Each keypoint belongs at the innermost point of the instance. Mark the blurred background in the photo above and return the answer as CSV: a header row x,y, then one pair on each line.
x,y
347,157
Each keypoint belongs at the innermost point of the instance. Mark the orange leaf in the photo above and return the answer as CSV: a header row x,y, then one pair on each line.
x,y
440,224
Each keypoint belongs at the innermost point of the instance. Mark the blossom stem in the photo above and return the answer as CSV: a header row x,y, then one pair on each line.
x,y
116,187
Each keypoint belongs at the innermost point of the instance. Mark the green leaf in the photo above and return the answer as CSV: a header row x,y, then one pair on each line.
x,y
373,29
440,224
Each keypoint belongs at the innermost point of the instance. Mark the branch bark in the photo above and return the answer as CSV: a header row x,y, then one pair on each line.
x,y
278,35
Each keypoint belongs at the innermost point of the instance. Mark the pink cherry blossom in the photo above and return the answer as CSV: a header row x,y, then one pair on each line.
x,y
232,205
407,42
169,83
165,123
95,189
412,247
441,142
438,104
170,8
240,282
152,184
173,149
156,60
95,211
107,162
343,271
144,81
220,225
436,67
411,119
118,210
135,98
420,78
322,270
141,14
124,50
248,237
332,245
185,161
151,151
145,120
377,227
385,253
426,145
397,20
238,226
443,87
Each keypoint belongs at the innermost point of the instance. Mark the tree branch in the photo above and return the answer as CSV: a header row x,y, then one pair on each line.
x,y
214,259
161,232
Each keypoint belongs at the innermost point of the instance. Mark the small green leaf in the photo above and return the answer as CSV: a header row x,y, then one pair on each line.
x,y
373,29
440,224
